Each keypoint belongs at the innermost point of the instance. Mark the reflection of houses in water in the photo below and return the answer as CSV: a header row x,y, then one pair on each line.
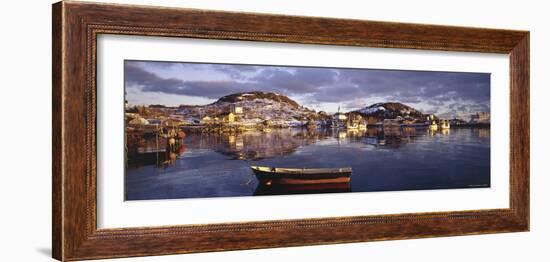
x,y
392,125
342,134
435,132
484,132
159,151
390,136
254,145
235,142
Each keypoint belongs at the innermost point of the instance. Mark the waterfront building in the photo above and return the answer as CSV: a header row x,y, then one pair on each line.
x,y
154,121
173,122
339,119
177,117
355,121
480,118
206,120
457,122
139,121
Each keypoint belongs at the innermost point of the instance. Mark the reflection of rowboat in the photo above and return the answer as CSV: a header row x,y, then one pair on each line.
x,y
293,176
263,190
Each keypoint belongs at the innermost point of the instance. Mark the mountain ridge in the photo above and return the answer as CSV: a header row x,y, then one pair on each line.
x,y
244,96
390,110
273,106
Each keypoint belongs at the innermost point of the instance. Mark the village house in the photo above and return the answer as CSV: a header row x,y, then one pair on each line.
x,y
339,119
480,118
430,117
340,116
206,120
177,117
131,115
138,121
235,109
173,123
153,121
229,118
355,121
457,122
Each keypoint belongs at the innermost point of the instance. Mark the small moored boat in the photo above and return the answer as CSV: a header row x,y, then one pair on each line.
x,y
293,176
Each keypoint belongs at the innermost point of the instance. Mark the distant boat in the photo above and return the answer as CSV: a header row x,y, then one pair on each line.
x,y
294,176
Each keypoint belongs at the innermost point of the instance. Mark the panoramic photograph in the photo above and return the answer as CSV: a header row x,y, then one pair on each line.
x,y
200,130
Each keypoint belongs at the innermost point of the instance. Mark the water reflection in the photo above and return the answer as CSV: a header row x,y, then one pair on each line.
x,y
209,165
258,145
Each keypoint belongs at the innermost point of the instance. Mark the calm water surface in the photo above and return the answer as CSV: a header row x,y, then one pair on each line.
x,y
211,165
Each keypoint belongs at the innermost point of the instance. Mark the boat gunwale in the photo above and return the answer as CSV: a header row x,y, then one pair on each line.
x,y
277,170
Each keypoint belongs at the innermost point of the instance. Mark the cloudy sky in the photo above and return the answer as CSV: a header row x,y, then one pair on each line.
x,y
446,94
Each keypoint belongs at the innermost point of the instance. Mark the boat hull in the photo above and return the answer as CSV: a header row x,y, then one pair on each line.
x,y
302,176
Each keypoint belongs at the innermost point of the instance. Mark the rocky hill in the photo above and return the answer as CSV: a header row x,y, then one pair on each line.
x,y
257,96
256,106
391,110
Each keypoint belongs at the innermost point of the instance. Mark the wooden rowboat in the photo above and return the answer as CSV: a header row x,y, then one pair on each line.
x,y
293,176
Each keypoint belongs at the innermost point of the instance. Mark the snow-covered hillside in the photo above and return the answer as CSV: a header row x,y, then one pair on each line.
x,y
391,110
256,107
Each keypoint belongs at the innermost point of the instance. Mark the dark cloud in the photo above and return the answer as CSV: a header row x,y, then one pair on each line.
x,y
150,82
134,74
442,86
296,81
340,92
452,90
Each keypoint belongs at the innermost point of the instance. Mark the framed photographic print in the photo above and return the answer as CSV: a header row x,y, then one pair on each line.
x,y
182,130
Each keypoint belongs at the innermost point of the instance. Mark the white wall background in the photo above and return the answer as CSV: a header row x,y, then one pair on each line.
x,y
25,94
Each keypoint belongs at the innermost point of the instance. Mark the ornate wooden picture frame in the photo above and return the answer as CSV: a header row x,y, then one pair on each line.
x,y
76,26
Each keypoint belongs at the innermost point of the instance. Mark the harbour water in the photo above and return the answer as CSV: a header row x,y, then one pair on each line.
x,y
218,165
